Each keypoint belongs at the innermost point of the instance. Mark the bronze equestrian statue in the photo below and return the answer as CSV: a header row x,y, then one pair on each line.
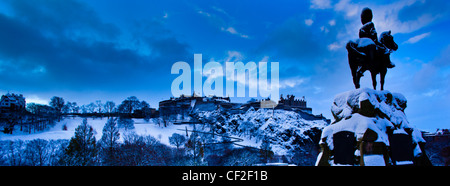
x,y
369,53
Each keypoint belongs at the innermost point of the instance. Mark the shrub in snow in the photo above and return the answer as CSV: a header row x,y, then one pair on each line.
x,y
177,139
64,127
82,149
125,123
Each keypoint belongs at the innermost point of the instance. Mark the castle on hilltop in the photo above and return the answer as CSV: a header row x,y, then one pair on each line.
x,y
293,103
186,104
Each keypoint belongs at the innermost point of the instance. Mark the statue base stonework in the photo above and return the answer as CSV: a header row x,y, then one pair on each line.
x,y
371,129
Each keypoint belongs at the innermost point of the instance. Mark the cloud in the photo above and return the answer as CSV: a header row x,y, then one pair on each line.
x,y
36,99
324,29
201,12
347,7
391,22
428,95
334,46
431,93
404,16
332,22
234,56
54,55
62,18
417,38
292,82
320,4
309,22
220,21
220,10
433,77
233,31
294,40
389,16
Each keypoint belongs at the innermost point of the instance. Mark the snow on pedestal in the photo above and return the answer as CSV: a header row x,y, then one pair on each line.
x,y
370,128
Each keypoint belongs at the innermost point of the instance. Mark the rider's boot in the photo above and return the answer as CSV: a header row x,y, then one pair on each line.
x,y
389,63
386,54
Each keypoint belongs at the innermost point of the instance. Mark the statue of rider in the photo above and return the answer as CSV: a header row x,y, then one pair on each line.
x,y
368,31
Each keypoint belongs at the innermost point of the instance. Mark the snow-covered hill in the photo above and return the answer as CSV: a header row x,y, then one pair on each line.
x,y
285,130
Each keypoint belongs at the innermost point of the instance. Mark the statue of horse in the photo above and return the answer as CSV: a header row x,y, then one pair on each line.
x,y
363,54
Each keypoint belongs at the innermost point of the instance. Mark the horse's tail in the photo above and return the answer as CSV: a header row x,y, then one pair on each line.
x,y
351,48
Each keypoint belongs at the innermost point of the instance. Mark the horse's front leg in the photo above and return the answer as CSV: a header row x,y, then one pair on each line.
x,y
354,68
374,79
356,78
382,76
356,81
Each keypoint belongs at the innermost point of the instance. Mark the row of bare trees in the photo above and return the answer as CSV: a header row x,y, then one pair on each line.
x,y
130,107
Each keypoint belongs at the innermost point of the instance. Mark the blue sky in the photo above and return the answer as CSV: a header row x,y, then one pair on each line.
x,y
111,49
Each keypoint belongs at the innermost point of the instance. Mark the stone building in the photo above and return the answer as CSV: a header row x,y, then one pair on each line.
x,y
12,102
186,104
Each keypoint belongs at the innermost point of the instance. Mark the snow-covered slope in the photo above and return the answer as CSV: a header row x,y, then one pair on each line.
x,y
285,130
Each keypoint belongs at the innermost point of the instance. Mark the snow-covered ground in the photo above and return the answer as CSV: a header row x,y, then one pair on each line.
x,y
284,129
141,128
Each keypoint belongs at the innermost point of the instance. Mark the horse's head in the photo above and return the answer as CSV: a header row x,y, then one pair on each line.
x,y
388,40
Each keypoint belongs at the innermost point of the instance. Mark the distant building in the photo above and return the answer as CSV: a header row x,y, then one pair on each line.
x,y
12,102
292,102
439,135
185,104
289,103
295,104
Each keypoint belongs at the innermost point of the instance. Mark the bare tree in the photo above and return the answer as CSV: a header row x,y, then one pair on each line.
x,y
129,105
91,108
99,106
37,152
58,104
177,140
15,152
109,142
109,107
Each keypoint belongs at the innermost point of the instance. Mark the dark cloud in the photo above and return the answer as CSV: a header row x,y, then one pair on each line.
x,y
68,18
298,47
434,75
64,45
17,39
295,40
419,8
